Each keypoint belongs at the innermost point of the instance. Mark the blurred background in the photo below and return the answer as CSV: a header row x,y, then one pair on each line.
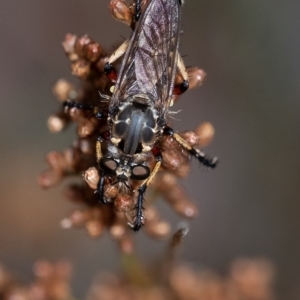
x,y
249,206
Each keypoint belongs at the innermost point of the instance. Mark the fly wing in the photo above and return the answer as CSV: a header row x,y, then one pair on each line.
x,y
149,63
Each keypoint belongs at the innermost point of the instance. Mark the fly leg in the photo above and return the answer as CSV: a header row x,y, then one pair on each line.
x,y
72,104
137,13
108,68
202,158
184,85
139,217
100,187
100,115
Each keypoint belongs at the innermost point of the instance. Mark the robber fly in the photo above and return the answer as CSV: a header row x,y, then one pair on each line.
x,y
139,105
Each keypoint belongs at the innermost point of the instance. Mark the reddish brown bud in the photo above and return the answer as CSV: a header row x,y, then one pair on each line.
x,y
42,269
206,133
168,143
72,158
86,128
81,69
120,11
86,145
92,52
49,179
57,122
196,77
64,90
253,278
94,228
69,46
154,226
56,161
183,170
123,203
117,230
172,159
78,217
91,176
185,208
191,137
76,114
126,244
69,42
176,196
159,229
111,192
81,43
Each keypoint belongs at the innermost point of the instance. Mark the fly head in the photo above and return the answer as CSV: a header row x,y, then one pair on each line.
x,y
122,168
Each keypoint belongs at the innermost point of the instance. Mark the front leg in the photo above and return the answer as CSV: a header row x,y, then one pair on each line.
x,y
138,10
100,188
139,217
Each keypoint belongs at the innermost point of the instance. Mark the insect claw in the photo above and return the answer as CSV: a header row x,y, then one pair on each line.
x,y
137,227
208,162
100,199
138,223
214,161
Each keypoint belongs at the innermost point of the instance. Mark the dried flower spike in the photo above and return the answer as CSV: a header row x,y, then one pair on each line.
x,y
95,123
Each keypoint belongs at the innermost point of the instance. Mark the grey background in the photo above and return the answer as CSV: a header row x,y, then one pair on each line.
x,y
249,206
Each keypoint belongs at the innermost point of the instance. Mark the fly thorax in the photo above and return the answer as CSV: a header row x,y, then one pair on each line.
x,y
135,127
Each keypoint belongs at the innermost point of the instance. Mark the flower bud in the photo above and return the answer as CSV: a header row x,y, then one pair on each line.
x,y
111,192
81,69
206,133
57,122
123,203
94,228
91,176
81,43
63,90
69,43
196,77
49,179
92,52
120,11
190,137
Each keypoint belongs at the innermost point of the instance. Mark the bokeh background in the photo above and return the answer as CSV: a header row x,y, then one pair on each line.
x,y
249,206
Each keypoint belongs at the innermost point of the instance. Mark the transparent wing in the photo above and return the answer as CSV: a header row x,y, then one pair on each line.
x,y
149,63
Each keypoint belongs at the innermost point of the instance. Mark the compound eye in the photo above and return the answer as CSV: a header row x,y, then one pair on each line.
x,y
108,165
140,172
